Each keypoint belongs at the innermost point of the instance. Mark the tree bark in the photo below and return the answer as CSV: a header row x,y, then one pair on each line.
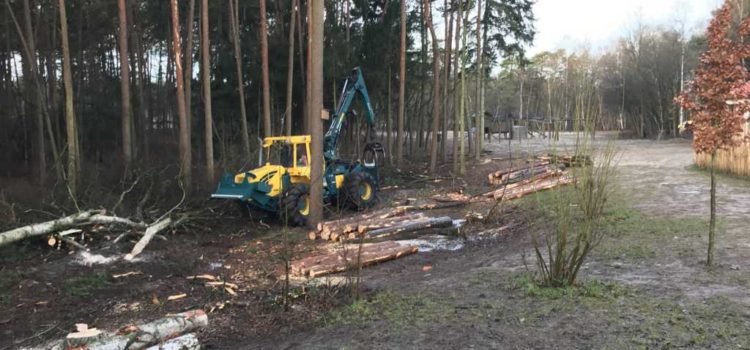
x,y
264,61
70,118
480,88
127,140
435,87
448,19
44,228
315,108
290,70
188,69
206,73
462,102
185,152
712,220
401,89
234,24
457,138
151,231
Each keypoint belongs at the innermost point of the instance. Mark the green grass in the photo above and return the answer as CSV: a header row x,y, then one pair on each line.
x,y
530,287
85,286
399,310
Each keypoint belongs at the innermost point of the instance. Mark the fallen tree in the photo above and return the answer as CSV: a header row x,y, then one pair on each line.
x,y
58,229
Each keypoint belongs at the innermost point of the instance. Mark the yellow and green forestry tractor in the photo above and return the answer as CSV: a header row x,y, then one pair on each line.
x,y
281,184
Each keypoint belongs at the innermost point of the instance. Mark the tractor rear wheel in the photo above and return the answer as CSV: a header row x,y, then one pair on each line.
x,y
294,205
360,190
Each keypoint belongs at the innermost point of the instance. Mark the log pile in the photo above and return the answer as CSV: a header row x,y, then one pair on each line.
x,y
517,183
511,176
348,256
406,218
172,332
574,161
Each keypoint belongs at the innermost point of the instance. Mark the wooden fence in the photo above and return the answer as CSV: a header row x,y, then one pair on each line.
x,y
735,160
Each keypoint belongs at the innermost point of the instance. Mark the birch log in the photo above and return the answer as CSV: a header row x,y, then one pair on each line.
x,y
138,337
151,231
44,228
185,342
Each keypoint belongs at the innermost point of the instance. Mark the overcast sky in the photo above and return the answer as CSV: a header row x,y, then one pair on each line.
x,y
597,24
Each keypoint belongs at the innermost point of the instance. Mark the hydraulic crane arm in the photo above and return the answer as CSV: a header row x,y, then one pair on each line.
x,y
354,85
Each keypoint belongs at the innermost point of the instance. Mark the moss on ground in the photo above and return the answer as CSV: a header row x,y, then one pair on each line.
x,y
85,286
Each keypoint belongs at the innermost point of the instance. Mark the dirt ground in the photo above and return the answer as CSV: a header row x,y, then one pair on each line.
x,y
645,287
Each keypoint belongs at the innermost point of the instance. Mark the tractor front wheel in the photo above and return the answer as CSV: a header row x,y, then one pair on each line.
x,y
294,205
360,190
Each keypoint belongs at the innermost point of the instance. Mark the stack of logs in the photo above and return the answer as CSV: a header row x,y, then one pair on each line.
x,y
536,177
350,256
386,222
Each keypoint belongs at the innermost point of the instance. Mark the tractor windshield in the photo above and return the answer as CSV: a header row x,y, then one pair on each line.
x,y
279,153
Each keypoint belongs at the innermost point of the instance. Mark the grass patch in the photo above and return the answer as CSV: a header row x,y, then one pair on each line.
x,y
399,311
530,287
85,286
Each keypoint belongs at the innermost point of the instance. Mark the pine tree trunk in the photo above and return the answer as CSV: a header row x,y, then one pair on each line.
x,y
712,221
188,68
480,91
457,138
234,24
435,88
446,77
290,70
185,152
401,89
315,108
462,99
127,140
267,132
70,118
206,73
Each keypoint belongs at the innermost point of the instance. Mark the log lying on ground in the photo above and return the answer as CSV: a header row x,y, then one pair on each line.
x,y
45,228
533,187
452,197
417,225
493,193
151,231
574,161
138,337
184,342
347,257
509,177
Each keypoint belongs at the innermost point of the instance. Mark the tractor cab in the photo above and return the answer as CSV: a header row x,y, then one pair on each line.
x,y
284,161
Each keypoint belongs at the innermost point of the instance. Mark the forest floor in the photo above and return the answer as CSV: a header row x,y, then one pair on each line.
x,y
644,287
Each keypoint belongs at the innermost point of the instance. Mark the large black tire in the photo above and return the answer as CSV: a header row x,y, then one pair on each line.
x,y
360,190
294,205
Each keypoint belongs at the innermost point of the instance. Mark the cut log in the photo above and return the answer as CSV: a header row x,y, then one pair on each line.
x,y
423,224
138,337
506,188
534,187
371,225
344,258
150,232
503,178
452,197
313,235
45,228
184,342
